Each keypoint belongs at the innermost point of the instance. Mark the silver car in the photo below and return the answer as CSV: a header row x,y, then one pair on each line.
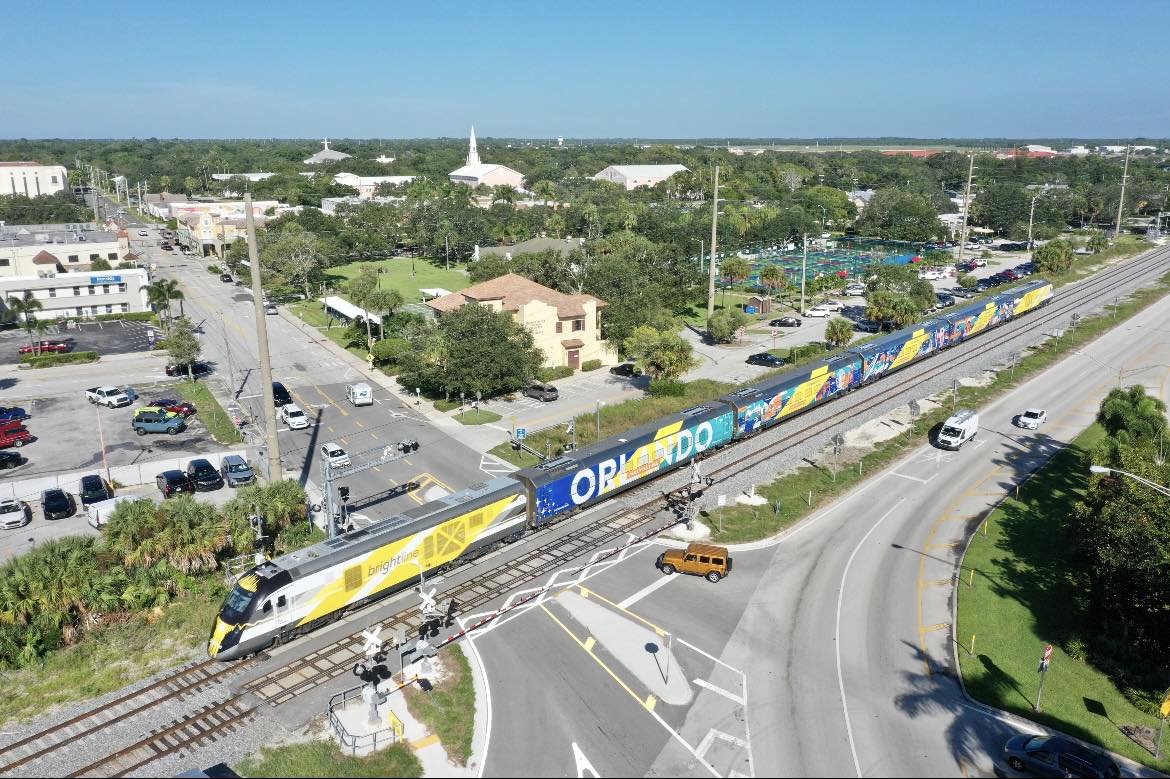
x,y
13,514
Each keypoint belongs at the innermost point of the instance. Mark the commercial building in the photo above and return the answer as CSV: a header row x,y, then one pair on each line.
x,y
567,328
634,176
474,172
25,249
79,295
32,179
366,185
329,204
208,234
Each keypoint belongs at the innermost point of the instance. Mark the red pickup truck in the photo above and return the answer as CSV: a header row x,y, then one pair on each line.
x,y
17,436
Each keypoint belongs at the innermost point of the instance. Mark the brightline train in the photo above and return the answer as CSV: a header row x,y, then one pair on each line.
x,y
298,592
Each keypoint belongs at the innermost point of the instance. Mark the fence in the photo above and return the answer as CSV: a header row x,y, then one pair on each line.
x,y
368,742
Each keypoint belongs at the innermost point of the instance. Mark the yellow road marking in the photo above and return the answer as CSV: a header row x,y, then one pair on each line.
x,y
947,545
934,627
587,593
329,400
424,742
938,582
650,700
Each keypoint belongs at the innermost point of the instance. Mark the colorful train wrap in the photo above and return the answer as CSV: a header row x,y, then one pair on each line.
x,y
297,592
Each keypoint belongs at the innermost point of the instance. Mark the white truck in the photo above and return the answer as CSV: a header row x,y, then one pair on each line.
x,y
360,394
959,429
111,397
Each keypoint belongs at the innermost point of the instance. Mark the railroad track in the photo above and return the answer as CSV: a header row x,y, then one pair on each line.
x,y
175,686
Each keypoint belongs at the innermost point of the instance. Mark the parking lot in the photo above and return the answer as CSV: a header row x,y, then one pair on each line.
x,y
117,337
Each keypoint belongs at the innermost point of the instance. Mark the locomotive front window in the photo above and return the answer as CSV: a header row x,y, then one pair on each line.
x,y
235,608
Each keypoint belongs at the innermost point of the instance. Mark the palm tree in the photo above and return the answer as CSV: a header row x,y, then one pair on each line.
x,y
546,191
504,193
25,306
774,278
161,293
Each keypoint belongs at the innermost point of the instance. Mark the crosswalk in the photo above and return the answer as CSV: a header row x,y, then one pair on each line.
x,y
494,467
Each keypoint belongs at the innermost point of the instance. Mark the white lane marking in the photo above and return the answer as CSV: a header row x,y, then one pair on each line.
x,y
914,478
837,633
719,690
661,581
583,765
487,739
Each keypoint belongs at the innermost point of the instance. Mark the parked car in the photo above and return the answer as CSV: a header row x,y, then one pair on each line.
x,y
93,489
966,266
786,321
226,278
270,308
293,416
171,483
855,290
819,311
867,326
710,562
10,460
236,471
110,397
334,455
979,262
836,306
996,280
983,285
12,414
45,347
156,420
280,396
180,407
204,475
142,232
14,436
931,274
180,369
959,292
1025,269
13,514
767,359
57,504
1011,275
1056,756
945,300
542,392
628,369
1032,418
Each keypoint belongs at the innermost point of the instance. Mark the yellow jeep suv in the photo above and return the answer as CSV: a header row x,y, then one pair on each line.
x,y
710,562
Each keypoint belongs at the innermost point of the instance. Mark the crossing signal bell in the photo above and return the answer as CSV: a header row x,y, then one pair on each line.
x,y
343,493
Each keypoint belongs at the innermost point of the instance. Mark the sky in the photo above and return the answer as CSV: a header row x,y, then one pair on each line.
x,y
680,69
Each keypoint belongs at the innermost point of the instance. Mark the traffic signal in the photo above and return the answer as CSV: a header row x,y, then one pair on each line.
x,y
515,446
343,493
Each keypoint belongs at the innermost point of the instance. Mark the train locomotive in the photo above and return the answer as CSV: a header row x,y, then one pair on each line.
x,y
300,591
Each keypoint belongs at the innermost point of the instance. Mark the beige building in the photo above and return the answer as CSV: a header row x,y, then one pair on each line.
x,y
634,176
567,328
209,234
74,246
367,185
80,295
31,179
473,173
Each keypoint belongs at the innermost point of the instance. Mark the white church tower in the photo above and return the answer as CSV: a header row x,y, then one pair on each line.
x,y
472,153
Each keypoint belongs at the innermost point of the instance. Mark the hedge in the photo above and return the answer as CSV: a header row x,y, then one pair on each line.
x,y
590,365
552,374
214,269
135,316
667,388
50,360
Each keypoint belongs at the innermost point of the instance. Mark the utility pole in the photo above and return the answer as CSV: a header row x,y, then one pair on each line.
x,y
966,208
803,270
1031,214
273,446
1121,200
711,269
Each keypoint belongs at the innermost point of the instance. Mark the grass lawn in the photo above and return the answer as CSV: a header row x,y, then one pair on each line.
x,y
1026,595
109,658
312,313
323,758
211,414
448,710
477,417
428,273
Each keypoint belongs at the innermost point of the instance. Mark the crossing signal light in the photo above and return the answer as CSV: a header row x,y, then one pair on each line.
x,y
343,493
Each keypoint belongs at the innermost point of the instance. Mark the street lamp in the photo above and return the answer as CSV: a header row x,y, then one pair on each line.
x,y
701,245
1155,487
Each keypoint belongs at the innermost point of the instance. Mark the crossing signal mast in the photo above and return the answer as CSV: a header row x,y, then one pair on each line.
x,y
335,516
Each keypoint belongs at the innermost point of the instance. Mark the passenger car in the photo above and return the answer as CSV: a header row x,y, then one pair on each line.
x,y
767,359
10,460
786,321
226,278
292,415
931,274
334,455
180,407
280,396
867,326
270,308
181,369
855,289
45,347
13,514
1011,274
15,436
1032,418
12,413
204,475
945,300
625,369
142,232
1056,756
93,489
959,292
171,483
818,311
836,306
542,392
148,420
236,471
57,504
710,562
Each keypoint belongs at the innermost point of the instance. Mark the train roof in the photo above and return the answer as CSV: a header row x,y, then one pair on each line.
x,y
393,528
799,375
603,450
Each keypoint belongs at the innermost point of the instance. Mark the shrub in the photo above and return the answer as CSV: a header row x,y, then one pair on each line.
x,y
214,269
135,316
590,365
797,353
554,373
50,360
389,351
663,388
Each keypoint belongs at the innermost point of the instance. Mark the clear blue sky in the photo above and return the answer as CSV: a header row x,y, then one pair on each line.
x,y
598,69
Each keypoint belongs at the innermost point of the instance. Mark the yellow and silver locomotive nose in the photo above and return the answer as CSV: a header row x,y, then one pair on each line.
x,y
224,636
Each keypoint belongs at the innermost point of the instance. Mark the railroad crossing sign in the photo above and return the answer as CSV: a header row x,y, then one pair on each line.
x,y
775,333
1044,661
521,433
914,409
372,644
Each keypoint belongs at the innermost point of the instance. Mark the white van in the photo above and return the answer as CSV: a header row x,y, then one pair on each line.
x,y
99,513
360,394
959,429
292,415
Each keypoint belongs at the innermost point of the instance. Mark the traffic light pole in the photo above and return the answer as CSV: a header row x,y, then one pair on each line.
x,y
329,475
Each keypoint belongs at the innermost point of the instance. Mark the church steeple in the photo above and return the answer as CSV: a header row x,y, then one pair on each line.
x,y
472,153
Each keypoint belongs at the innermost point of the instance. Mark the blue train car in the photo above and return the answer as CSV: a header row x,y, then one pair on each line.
x,y
587,476
763,405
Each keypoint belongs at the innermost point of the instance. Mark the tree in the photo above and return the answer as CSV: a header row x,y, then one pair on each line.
x,y
360,289
164,183
161,293
838,332
296,255
185,533
99,264
885,306
737,269
182,345
190,185
968,281
25,306
1098,243
901,281
660,354
774,278
1054,257
899,216
724,324
1130,414
546,191
505,193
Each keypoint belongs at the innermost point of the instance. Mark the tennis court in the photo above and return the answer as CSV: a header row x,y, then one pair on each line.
x,y
841,257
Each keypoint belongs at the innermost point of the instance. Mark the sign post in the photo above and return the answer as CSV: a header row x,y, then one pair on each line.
x,y
775,335
721,501
1044,661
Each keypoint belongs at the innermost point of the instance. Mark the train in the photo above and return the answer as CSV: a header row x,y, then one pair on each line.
x,y
303,590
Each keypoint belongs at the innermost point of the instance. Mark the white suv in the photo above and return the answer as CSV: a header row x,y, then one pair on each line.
x,y
337,457
292,415
819,311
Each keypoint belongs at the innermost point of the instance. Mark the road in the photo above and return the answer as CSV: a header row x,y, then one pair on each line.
x,y
841,626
